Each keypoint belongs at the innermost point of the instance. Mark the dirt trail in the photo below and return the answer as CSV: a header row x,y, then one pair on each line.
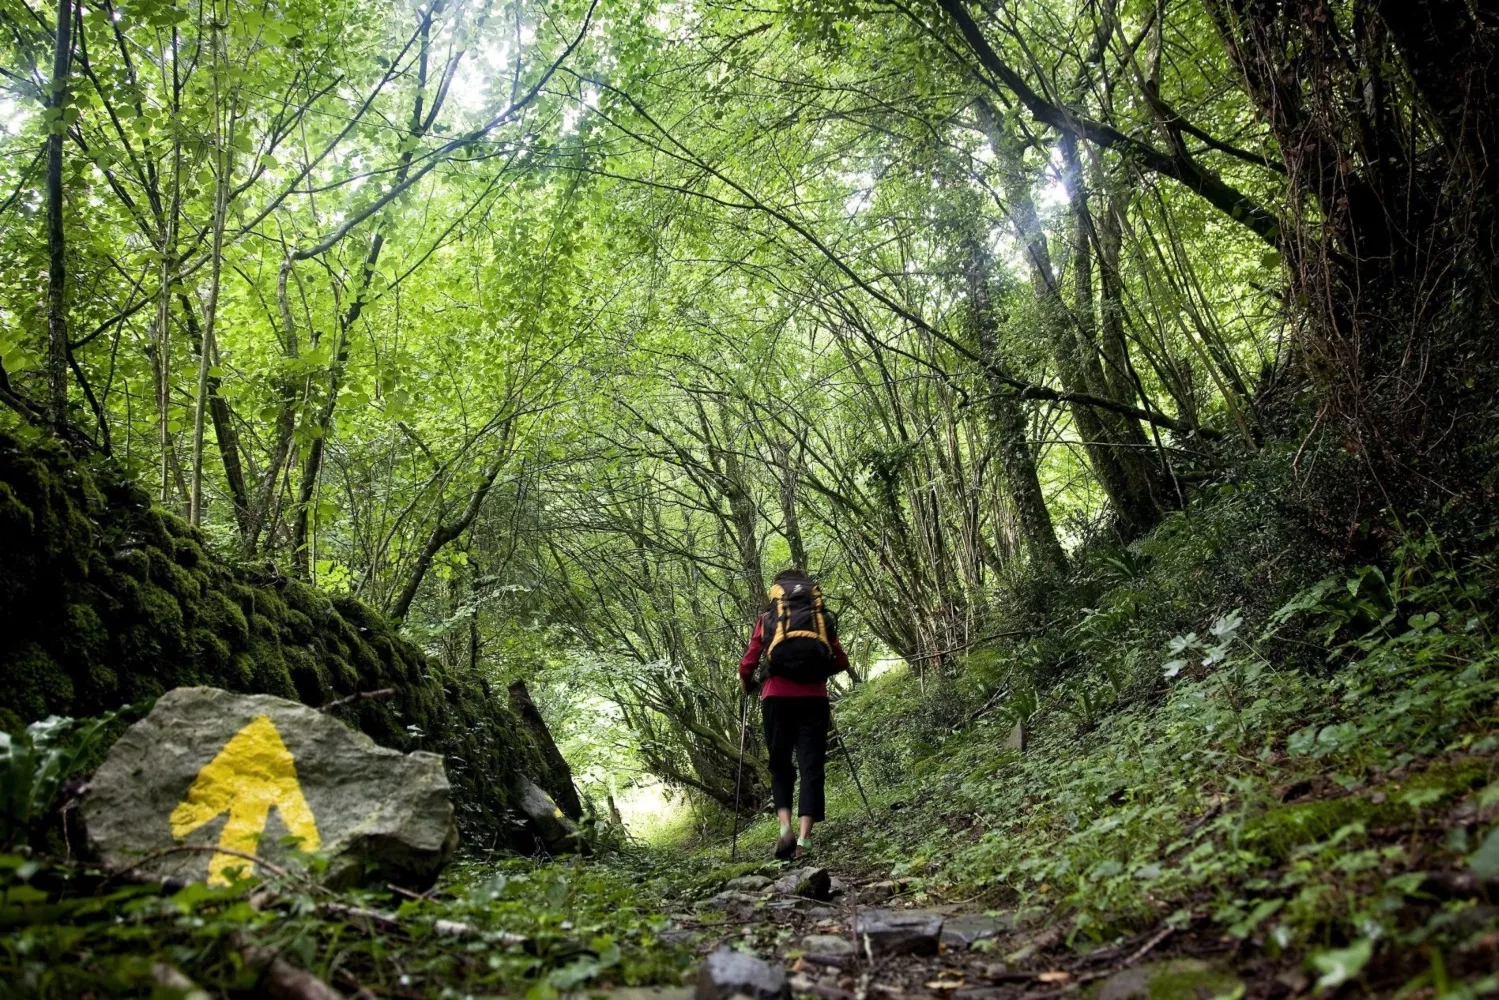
x,y
866,942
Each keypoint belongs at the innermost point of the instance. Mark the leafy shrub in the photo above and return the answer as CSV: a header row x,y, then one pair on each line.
x,y
33,766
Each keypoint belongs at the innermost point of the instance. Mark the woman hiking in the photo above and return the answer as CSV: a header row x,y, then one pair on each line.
x,y
798,639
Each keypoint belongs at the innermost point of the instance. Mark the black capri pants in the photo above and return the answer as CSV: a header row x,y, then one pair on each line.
x,y
796,736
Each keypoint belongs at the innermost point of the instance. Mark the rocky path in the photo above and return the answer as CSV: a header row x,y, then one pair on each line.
x,y
809,934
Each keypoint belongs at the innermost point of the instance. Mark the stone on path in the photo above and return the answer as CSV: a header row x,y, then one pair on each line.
x,y
726,972
814,883
211,782
560,778
899,932
556,833
802,904
726,899
831,945
749,883
1174,979
876,892
963,930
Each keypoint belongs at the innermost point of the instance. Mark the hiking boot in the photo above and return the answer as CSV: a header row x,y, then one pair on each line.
x,y
785,847
803,848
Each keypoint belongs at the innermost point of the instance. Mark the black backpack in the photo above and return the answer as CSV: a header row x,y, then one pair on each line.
x,y
799,632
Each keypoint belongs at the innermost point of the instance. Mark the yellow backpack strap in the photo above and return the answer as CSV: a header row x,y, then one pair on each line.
x,y
819,618
778,597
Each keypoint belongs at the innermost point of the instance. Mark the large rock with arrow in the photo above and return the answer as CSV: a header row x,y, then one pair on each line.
x,y
210,784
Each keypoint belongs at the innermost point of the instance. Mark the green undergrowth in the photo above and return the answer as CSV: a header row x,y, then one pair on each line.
x,y
1314,778
107,601
514,928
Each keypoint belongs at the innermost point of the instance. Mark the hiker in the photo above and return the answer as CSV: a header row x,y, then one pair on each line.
x,y
799,640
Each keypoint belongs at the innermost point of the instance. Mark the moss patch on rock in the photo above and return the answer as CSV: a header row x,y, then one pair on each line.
x,y
106,600
1279,831
1175,979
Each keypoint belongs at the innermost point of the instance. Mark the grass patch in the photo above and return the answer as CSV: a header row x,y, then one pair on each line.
x,y
525,928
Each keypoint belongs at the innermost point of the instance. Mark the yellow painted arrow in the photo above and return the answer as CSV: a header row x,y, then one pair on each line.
x,y
251,774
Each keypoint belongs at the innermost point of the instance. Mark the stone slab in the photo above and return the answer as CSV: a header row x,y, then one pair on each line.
x,y
210,783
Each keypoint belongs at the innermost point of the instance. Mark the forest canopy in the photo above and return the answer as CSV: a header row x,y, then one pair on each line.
x,y
551,330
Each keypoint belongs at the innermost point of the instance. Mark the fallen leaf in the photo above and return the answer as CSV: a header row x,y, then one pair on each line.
x,y
800,965
945,984
1055,976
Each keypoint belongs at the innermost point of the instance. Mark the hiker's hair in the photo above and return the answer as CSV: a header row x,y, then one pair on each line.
x,y
792,573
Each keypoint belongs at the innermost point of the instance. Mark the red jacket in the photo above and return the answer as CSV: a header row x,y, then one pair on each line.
x,y
781,687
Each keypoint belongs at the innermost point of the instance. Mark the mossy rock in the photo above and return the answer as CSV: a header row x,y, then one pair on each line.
x,y
1278,832
106,600
1174,979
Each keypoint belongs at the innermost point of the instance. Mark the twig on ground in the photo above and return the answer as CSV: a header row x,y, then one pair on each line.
x,y
1148,946
1197,823
344,911
827,992
865,977
174,979
994,702
420,897
283,981
138,875
457,928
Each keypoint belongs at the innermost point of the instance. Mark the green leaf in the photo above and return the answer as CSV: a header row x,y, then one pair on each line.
x,y
1485,861
1342,964
1265,908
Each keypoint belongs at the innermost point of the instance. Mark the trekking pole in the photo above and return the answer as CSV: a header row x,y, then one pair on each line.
x,y
739,774
848,756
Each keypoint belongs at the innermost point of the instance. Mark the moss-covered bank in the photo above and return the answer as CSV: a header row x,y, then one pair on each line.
x,y
107,600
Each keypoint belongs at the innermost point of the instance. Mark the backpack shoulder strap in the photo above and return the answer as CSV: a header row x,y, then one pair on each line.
x,y
776,614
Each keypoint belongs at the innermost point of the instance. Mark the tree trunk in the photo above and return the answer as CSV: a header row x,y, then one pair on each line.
x,y
1075,356
1038,533
1387,122
225,434
789,470
312,465
57,298
442,534
745,516
170,468
206,346
1128,449
1117,370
